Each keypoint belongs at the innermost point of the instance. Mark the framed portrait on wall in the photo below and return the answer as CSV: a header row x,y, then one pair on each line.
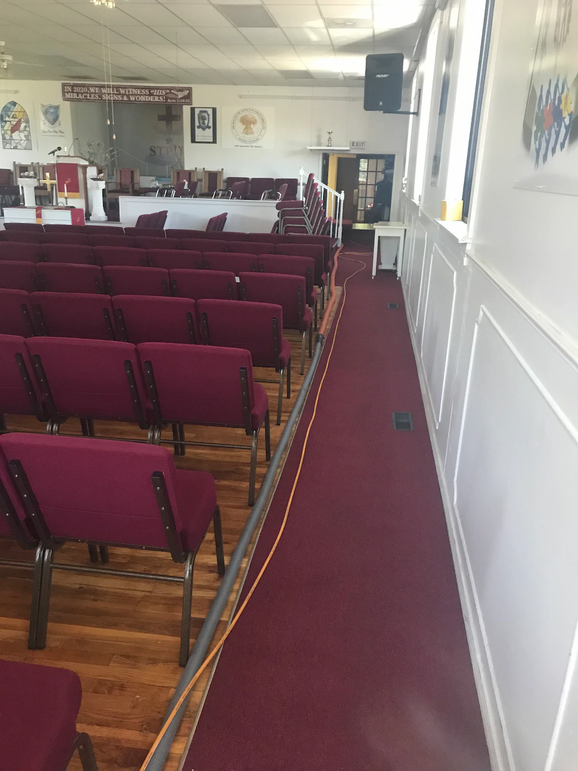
x,y
204,125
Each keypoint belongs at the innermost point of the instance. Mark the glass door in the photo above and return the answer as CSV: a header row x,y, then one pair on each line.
x,y
372,197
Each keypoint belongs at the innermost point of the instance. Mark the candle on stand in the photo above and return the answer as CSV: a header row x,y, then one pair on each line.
x,y
65,190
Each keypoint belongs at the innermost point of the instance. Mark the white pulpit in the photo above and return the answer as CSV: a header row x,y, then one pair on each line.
x,y
28,184
95,186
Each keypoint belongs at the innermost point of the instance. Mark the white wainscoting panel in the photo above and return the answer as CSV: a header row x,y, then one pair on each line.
x,y
415,273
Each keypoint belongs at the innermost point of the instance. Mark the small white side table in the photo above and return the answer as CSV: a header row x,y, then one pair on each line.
x,y
28,184
383,230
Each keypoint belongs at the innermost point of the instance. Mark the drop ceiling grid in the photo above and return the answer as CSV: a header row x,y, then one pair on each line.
x,y
78,23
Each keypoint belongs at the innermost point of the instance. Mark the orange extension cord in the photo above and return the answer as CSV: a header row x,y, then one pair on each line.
x,y
251,591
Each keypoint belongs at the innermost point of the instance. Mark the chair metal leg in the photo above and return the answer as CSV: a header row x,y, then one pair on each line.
x,y
44,599
187,607
315,314
267,437
310,341
182,437
253,472
87,426
103,553
289,379
280,400
303,351
83,743
92,552
217,527
36,593
179,448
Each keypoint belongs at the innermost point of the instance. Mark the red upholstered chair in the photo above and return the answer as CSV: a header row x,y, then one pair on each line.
x,y
154,221
107,492
203,284
217,223
147,232
256,327
46,700
267,238
184,233
63,314
154,242
226,235
156,319
88,379
261,187
22,236
65,228
62,277
186,189
174,258
316,252
10,250
288,291
18,392
103,230
65,238
282,192
16,316
214,387
108,239
129,280
234,262
251,247
18,275
72,253
25,227
294,265
120,255
205,245
292,185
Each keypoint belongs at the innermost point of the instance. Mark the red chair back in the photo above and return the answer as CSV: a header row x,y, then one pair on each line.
x,y
62,277
120,255
147,242
256,327
65,238
290,292
156,319
16,317
252,247
205,245
202,284
71,253
290,264
61,314
208,387
10,250
314,251
89,378
23,236
235,262
18,392
107,239
129,280
174,258
18,275
24,227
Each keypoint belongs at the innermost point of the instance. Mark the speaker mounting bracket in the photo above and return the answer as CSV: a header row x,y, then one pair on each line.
x,y
406,112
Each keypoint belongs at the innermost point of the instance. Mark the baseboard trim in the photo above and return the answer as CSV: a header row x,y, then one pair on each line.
x,y
481,663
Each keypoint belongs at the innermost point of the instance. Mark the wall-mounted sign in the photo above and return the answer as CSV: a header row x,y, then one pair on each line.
x,y
248,127
359,145
101,92
51,120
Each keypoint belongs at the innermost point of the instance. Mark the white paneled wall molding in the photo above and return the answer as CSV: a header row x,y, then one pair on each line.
x,y
499,382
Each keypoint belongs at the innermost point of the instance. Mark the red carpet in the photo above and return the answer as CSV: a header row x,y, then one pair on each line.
x,y
352,654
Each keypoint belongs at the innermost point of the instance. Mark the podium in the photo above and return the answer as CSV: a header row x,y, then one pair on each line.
x,y
71,172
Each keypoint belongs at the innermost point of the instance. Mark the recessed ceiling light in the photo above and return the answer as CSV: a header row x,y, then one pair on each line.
x,y
242,16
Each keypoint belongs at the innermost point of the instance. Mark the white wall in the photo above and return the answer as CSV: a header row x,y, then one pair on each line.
x,y
302,117
31,94
495,331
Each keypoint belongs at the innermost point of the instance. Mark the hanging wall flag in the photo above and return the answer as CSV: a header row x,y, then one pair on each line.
x,y
50,120
248,127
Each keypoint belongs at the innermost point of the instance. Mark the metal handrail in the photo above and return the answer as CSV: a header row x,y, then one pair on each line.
x,y
333,202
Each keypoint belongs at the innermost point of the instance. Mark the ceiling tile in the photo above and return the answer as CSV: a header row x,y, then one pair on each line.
x,y
284,2
182,36
57,32
115,17
277,52
344,36
297,16
57,14
265,36
200,15
247,16
222,35
347,11
94,32
244,51
299,36
142,35
153,15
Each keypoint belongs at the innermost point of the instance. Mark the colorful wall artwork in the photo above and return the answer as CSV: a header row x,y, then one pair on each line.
x,y
550,125
15,127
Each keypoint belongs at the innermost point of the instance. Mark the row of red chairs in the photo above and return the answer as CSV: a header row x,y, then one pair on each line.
x,y
30,236
150,384
288,291
254,326
55,490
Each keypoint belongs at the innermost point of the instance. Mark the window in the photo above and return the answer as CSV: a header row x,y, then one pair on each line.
x,y
477,108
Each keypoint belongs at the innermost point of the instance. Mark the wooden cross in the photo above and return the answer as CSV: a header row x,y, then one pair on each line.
x,y
169,118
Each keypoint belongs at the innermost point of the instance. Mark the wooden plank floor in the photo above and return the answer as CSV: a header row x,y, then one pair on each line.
x,y
121,635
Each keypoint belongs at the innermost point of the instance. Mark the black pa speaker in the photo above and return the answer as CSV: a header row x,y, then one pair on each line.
x,y
383,82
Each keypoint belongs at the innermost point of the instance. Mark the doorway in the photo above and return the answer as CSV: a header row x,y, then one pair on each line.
x,y
359,176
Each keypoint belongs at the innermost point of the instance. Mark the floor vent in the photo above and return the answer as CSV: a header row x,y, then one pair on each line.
x,y
393,306
402,421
